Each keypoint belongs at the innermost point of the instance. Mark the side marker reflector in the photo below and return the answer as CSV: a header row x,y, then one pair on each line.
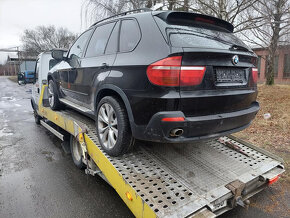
x,y
275,179
173,119
129,196
81,137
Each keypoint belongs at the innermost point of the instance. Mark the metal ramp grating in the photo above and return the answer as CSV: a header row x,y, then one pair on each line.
x,y
176,180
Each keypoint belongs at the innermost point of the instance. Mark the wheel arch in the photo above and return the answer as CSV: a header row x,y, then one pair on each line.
x,y
33,104
49,76
112,90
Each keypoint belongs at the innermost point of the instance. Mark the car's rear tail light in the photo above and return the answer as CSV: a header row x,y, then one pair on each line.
x,y
165,72
169,72
190,76
274,179
255,74
173,119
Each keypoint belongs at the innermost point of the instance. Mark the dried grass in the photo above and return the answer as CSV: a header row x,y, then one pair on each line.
x,y
272,134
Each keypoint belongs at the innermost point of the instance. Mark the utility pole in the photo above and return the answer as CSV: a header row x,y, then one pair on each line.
x,y
12,49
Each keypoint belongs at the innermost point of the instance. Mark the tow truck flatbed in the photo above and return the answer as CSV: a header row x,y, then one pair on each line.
x,y
202,179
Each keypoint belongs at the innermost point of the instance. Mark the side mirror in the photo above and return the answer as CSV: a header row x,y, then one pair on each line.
x,y
57,54
20,79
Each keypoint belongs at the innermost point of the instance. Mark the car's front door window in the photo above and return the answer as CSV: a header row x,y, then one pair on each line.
x,y
78,49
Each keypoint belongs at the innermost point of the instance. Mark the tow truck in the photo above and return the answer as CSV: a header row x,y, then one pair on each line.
x,y
201,179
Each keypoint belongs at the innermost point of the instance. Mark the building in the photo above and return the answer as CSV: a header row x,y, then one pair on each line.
x,y
281,64
14,65
27,65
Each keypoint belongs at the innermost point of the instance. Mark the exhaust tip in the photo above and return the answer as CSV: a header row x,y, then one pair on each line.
x,y
176,132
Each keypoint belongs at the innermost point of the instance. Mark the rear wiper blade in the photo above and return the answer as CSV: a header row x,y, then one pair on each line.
x,y
239,48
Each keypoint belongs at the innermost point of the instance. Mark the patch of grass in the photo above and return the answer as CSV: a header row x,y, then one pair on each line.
x,y
13,78
272,134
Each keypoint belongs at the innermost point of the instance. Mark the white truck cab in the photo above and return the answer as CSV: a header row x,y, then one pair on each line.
x,y
44,63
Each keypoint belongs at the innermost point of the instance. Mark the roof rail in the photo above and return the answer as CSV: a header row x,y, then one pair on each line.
x,y
124,13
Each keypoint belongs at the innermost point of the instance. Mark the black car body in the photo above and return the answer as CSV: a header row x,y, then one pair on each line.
x,y
171,70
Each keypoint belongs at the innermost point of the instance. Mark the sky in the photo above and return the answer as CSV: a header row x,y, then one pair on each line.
x,y
18,15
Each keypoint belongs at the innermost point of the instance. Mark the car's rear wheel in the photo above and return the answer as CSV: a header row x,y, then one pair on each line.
x,y
113,127
76,152
53,98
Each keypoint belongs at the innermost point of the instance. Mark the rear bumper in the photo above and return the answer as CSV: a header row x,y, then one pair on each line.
x,y
29,80
196,128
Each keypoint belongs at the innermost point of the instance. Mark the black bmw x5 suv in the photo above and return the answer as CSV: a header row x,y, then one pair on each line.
x,y
161,76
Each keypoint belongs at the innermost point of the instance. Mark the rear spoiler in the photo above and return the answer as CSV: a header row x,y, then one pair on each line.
x,y
175,17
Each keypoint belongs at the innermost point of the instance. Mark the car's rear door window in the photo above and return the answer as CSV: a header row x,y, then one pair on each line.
x,y
129,35
99,40
112,45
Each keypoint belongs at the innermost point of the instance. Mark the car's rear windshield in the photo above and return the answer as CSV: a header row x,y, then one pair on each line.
x,y
199,36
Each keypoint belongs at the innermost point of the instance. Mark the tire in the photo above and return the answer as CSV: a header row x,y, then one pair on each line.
x,y
53,97
76,153
37,118
113,127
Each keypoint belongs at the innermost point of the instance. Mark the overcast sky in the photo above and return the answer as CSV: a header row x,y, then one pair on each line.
x,y
17,15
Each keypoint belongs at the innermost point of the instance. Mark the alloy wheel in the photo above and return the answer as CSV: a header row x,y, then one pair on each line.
x,y
77,153
107,125
50,94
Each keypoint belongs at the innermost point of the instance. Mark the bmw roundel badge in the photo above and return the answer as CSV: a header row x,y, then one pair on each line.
x,y
235,59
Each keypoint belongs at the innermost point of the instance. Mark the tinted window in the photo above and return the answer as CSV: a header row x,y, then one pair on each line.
x,y
129,35
259,65
52,63
276,59
99,40
287,65
37,69
112,45
77,50
201,36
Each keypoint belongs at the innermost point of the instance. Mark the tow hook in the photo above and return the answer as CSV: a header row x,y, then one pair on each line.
x,y
237,188
244,204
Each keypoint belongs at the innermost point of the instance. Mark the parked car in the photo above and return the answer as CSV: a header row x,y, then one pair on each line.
x,y
25,77
162,76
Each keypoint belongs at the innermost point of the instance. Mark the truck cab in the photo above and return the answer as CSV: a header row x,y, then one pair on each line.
x,y
44,63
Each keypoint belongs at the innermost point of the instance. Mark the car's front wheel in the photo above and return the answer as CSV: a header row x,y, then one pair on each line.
x,y
113,126
53,99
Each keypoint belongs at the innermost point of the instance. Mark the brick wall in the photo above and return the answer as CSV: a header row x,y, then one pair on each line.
x,y
281,77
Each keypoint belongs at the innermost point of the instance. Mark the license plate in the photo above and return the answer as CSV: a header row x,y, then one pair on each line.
x,y
233,75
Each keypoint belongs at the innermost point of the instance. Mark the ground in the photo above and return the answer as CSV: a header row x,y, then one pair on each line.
x,y
37,179
272,134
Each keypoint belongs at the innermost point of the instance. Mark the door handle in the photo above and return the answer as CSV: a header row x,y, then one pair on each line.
x,y
104,66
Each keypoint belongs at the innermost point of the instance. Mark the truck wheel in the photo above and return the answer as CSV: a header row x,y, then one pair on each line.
x,y
53,98
76,152
37,118
113,127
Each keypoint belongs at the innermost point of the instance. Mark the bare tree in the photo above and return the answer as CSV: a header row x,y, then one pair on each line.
x,y
45,38
236,12
95,10
272,30
261,22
